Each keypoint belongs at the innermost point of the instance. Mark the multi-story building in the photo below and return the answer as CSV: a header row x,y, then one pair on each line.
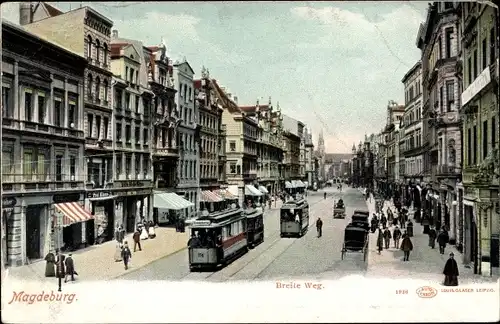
x,y
269,151
395,114
321,157
187,171
309,158
292,137
43,168
210,136
86,32
413,148
438,42
302,156
131,136
479,229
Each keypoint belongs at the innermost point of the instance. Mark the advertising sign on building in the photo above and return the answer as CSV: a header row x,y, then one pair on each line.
x,y
475,87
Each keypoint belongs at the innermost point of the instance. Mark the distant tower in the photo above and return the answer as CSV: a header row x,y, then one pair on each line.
x,y
321,145
25,13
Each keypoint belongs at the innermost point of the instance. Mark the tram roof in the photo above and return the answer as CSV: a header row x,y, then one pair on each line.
x,y
218,219
253,212
294,203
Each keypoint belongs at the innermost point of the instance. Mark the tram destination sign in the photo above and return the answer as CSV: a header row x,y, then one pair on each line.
x,y
202,223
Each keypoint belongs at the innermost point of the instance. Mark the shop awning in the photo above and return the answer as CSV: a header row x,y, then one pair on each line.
x,y
263,190
306,184
288,185
72,213
233,190
300,184
170,200
226,194
294,184
210,196
252,191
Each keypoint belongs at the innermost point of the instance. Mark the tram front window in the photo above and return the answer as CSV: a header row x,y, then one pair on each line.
x,y
287,215
202,238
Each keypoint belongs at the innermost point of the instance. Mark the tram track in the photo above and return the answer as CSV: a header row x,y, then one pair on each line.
x,y
275,237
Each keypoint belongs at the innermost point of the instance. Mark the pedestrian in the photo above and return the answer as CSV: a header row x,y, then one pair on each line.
x,y
61,270
117,233
151,232
406,246
451,271
50,265
100,234
126,254
410,228
137,239
380,240
319,226
383,220
387,237
396,235
118,252
70,268
442,240
432,237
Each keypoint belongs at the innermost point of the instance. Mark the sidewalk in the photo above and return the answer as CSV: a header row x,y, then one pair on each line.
x,y
425,263
97,262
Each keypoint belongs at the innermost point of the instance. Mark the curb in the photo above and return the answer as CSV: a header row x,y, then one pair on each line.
x,y
146,264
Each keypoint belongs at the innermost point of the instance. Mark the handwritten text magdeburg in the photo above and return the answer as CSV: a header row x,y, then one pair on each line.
x,y
30,298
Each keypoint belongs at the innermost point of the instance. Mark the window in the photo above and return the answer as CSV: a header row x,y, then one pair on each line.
x,y
132,76
118,165
6,101
41,166
128,133
106,128
469,70
41,107
97,50
89,47
98,126
137,99
58,112
450,95
28,105
127,100
185,93
128,162
146,105
118,99
448,5
71,113
137,134
145,135
59,167
493,133
105,92
232,146
105,55
484,54
469,146
492,45
449,34
232,167
90,125
137,165
97,88
89,86
475,64
137,77
119,132
72,167
7,162
28,165
191,99
145,166
485,139
126,73
440,46
474,146
441,98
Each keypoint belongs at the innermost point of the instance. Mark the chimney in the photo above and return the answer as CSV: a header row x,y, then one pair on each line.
x,y
115,33
25,13
235,99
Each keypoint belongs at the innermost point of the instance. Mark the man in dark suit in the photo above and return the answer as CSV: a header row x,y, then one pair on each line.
x,y
70,268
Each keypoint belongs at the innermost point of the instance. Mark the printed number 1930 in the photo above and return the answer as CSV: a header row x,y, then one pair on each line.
x,y
402,292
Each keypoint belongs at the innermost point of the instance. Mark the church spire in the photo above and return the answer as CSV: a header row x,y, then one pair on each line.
x,y
321,143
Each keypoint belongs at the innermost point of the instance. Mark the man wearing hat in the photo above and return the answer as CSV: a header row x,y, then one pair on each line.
x,y
70,268
451,271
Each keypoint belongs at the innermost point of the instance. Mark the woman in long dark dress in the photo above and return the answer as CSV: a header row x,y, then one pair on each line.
x,y
50,265
451,272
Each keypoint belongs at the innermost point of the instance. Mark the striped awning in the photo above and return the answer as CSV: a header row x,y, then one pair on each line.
x,y
210,196
288,185
170,200
226,194
300,184
72,213
250,190
263,190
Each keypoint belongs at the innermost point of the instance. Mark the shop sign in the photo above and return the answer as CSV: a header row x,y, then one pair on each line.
x,y
136,193
482,81
9,202
133,183
64,198
98,194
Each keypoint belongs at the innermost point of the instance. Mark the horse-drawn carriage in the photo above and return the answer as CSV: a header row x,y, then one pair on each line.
x,y
355,240
339,210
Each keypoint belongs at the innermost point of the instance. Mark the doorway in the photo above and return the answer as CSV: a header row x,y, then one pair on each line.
x,y
33,226
474,246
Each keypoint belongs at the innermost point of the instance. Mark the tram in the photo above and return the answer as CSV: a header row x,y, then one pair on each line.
x,y
255,226
217,238
294,218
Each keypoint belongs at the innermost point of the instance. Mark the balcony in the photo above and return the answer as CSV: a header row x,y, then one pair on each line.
x,y
41,183
469,173
448,171
43,129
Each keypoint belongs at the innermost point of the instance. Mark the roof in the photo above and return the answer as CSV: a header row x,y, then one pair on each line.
x,y
53,11
411,71
232,107
116,48
254,108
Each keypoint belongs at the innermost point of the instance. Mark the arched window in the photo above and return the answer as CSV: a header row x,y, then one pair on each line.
x,y
89,85
98,50
105,93
98,88
105,54
89,46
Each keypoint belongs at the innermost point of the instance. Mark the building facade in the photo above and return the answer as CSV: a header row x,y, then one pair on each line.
x,y
479,228
189,166
43,168
310,164
292,136
88,33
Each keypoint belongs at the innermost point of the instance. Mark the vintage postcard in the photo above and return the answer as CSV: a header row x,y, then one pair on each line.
x,y
235,162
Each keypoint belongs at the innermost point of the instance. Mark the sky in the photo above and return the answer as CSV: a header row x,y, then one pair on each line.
x,y
332,65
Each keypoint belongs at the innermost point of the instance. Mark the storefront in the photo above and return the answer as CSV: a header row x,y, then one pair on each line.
x,y
168,207
134,205
8,231
102,205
